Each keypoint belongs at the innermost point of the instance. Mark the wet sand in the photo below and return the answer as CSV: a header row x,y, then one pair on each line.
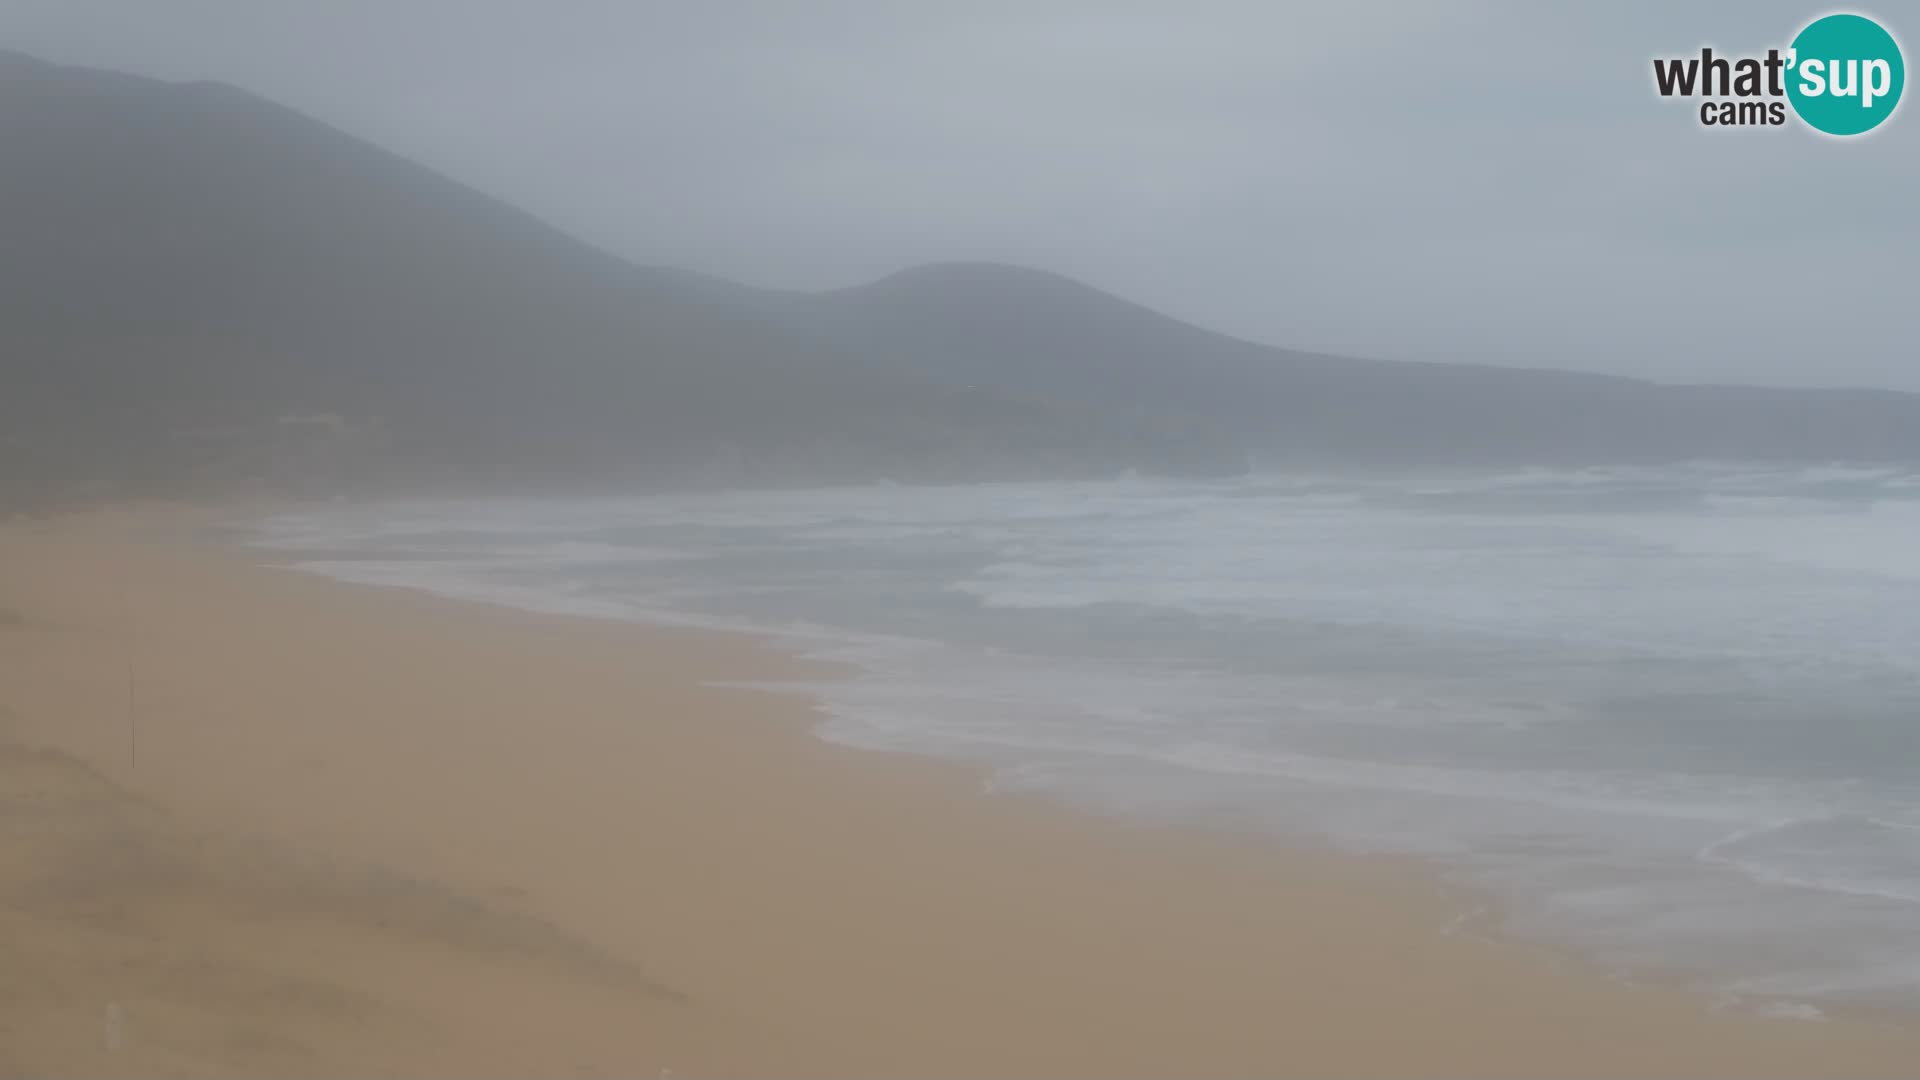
x,y
256,823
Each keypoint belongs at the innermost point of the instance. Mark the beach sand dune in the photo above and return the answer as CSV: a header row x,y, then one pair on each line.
x,y
136,946
254,823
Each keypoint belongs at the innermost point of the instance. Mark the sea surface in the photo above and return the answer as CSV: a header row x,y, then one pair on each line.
x,y
1669,717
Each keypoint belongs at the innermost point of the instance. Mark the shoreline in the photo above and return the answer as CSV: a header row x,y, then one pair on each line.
x,y
1483,914
376,830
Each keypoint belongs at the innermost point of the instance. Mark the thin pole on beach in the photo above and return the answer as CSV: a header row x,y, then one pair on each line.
x,y
126,639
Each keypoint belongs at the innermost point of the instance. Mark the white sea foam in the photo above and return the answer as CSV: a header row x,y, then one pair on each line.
x,y
1665,713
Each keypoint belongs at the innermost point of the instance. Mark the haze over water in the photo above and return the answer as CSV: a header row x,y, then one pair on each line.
x,y
1665,715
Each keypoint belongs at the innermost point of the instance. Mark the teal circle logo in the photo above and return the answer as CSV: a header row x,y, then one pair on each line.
x,y
1845,74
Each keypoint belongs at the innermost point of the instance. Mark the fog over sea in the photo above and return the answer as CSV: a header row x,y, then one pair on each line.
x,y
1669,716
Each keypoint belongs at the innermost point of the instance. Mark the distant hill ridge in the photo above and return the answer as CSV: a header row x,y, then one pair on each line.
x,y
191,270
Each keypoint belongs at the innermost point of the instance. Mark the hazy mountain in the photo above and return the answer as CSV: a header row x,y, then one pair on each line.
x,y
201,287
1043,334
195,279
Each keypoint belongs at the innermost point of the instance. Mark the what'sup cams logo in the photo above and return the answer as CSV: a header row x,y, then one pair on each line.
x,y
1842,75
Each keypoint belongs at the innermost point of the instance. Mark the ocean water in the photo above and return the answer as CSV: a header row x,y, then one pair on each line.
x,y
1670,717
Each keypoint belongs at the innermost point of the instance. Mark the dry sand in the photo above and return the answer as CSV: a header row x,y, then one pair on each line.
x,y
371,832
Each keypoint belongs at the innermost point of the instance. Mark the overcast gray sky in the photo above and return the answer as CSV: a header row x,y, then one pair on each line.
x,y
1490,181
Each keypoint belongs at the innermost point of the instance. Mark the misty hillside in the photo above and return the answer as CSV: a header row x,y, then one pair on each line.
x,y
197,281
1040,333
201,289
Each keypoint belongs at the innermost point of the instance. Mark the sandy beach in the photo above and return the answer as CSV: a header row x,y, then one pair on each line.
x,y
257,823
